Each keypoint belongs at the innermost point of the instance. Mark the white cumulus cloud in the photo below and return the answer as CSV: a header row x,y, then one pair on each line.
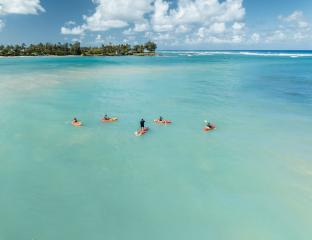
x,y
112,14
207,21
195,12
116,14
199,21
203,21
72,31
255,37
217,28
292,28
141,27
277,35
20,7
237,26
297,18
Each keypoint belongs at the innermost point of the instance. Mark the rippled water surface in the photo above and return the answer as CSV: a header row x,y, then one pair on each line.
x,y
251,178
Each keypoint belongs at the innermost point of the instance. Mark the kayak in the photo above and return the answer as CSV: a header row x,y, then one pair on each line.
x,y
141,132
112,119
209,128
162,121
76,124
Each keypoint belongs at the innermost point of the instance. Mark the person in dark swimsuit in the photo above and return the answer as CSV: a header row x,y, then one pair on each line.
x,y
210,125
142,124
160,118
75,120
106,117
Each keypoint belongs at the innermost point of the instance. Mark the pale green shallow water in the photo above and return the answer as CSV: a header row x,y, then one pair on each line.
x,y
249,179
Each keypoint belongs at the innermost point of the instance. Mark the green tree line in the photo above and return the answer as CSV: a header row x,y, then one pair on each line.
x,y
65,49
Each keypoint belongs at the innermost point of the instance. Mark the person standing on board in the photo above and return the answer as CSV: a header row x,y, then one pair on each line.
x,y
142,124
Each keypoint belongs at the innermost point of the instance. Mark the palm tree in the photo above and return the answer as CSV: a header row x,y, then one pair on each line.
x,y
150,46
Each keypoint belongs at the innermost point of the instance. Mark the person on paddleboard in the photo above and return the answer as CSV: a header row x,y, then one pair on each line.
x,y
160,118
210,125
76,123
142,124
106,117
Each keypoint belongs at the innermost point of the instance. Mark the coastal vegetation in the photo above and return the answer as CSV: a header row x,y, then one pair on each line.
x,y
67,49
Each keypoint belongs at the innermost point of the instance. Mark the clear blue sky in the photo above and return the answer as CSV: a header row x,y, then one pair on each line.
x,y
176,24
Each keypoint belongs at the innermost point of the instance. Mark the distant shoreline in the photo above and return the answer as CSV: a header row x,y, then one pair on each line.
x,y
129,55
74,49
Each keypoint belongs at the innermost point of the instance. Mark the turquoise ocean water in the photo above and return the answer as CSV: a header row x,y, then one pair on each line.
x,y
251,178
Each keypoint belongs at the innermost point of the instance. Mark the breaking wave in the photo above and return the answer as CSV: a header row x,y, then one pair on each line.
x,y
244,53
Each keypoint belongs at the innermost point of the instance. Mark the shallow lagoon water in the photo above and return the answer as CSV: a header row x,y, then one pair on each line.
x,y
251,178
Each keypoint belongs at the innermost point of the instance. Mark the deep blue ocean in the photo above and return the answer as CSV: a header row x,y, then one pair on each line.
x,y
250,178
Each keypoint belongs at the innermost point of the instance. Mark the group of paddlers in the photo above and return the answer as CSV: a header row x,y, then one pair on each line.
x,y
208,126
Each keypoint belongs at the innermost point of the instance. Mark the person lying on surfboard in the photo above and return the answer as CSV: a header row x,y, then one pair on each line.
x,y
106,117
